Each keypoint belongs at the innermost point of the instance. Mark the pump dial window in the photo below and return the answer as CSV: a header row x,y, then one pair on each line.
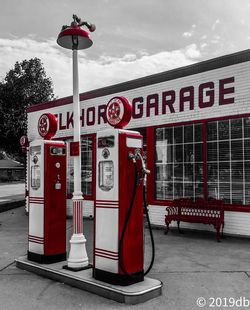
x,y
106,142
55,150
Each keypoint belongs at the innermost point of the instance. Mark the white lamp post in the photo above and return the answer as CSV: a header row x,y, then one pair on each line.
x,y
75,38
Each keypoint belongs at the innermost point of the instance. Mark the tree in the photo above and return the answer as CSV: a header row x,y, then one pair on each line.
x,y
24,85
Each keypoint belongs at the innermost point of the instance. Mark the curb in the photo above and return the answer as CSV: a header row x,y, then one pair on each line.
x,y
5,206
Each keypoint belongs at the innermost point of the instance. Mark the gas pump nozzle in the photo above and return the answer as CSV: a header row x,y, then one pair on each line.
x,y
144,169
131,156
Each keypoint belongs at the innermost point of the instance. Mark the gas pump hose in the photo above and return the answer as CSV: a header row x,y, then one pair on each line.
x,y
126,225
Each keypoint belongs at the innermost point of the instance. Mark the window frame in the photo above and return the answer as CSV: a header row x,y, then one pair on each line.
x,y
151,147
93,137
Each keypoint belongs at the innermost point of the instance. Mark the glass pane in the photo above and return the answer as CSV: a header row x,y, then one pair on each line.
x,y
188,153
246,122
70,170
198,190
169,154
223,130
225,192
188,172
224,153
212,151
159,134
247,171
188,133
178,153
237,172
86,160
224,172
178,190
247,193
188,190
247,149
164,172
169,135
168,172
159,190
199,172
198,132
237,150
164,153
159,172
198,151
212,131
236,128
178,136
212,172
167,190
237,193
212,191
159,155
178,172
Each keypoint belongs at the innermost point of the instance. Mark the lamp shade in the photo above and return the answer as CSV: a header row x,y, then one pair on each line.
x,y
66,37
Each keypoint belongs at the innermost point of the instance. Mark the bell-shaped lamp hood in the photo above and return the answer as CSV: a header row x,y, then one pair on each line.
x,y
74,38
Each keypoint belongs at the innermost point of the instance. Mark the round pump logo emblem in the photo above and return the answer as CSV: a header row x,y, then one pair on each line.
x,y
47,125
24,141
118,112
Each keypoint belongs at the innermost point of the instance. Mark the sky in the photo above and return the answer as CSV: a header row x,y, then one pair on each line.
x,y
133,38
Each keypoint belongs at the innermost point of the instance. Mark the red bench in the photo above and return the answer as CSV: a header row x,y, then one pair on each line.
x,y
199,211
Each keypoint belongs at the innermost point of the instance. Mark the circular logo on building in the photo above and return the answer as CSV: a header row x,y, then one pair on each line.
x,y
47,126
118,112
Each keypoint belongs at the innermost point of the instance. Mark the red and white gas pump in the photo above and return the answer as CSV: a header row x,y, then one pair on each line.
x,y
47,195
119,225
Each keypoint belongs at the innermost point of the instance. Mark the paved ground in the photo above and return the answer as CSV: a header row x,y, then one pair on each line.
x,y
192,265
12,195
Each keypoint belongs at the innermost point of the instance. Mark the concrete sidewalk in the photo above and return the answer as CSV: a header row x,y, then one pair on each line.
x,y
191,266
12,195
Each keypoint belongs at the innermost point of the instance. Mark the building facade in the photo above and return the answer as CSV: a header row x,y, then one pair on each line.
x,y
195,122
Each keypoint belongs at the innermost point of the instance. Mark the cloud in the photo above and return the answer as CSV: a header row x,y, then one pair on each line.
x,y
190,33
187,34
215,24
93,73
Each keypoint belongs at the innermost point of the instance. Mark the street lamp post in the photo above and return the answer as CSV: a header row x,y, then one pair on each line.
x,y
75,38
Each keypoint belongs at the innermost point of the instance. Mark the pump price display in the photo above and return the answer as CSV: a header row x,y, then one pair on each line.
x,y
106,142
57,150
106,175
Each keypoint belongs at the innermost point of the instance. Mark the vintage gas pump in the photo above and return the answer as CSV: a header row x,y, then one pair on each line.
x,y
119,224
47,195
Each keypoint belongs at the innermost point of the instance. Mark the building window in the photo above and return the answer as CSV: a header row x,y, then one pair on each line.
x,y
180,158
228,160
86,165
70,170
86,149
179,162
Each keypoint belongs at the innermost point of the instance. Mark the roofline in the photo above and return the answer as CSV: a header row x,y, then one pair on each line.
x,y
207,65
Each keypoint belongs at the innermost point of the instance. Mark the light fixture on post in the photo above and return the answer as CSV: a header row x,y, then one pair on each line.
x,y
75,38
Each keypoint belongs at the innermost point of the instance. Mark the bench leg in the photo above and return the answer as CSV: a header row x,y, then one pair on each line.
x,y
167,228
217,227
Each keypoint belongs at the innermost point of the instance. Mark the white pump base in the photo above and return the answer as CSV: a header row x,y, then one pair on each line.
x,y
78,257
131,294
